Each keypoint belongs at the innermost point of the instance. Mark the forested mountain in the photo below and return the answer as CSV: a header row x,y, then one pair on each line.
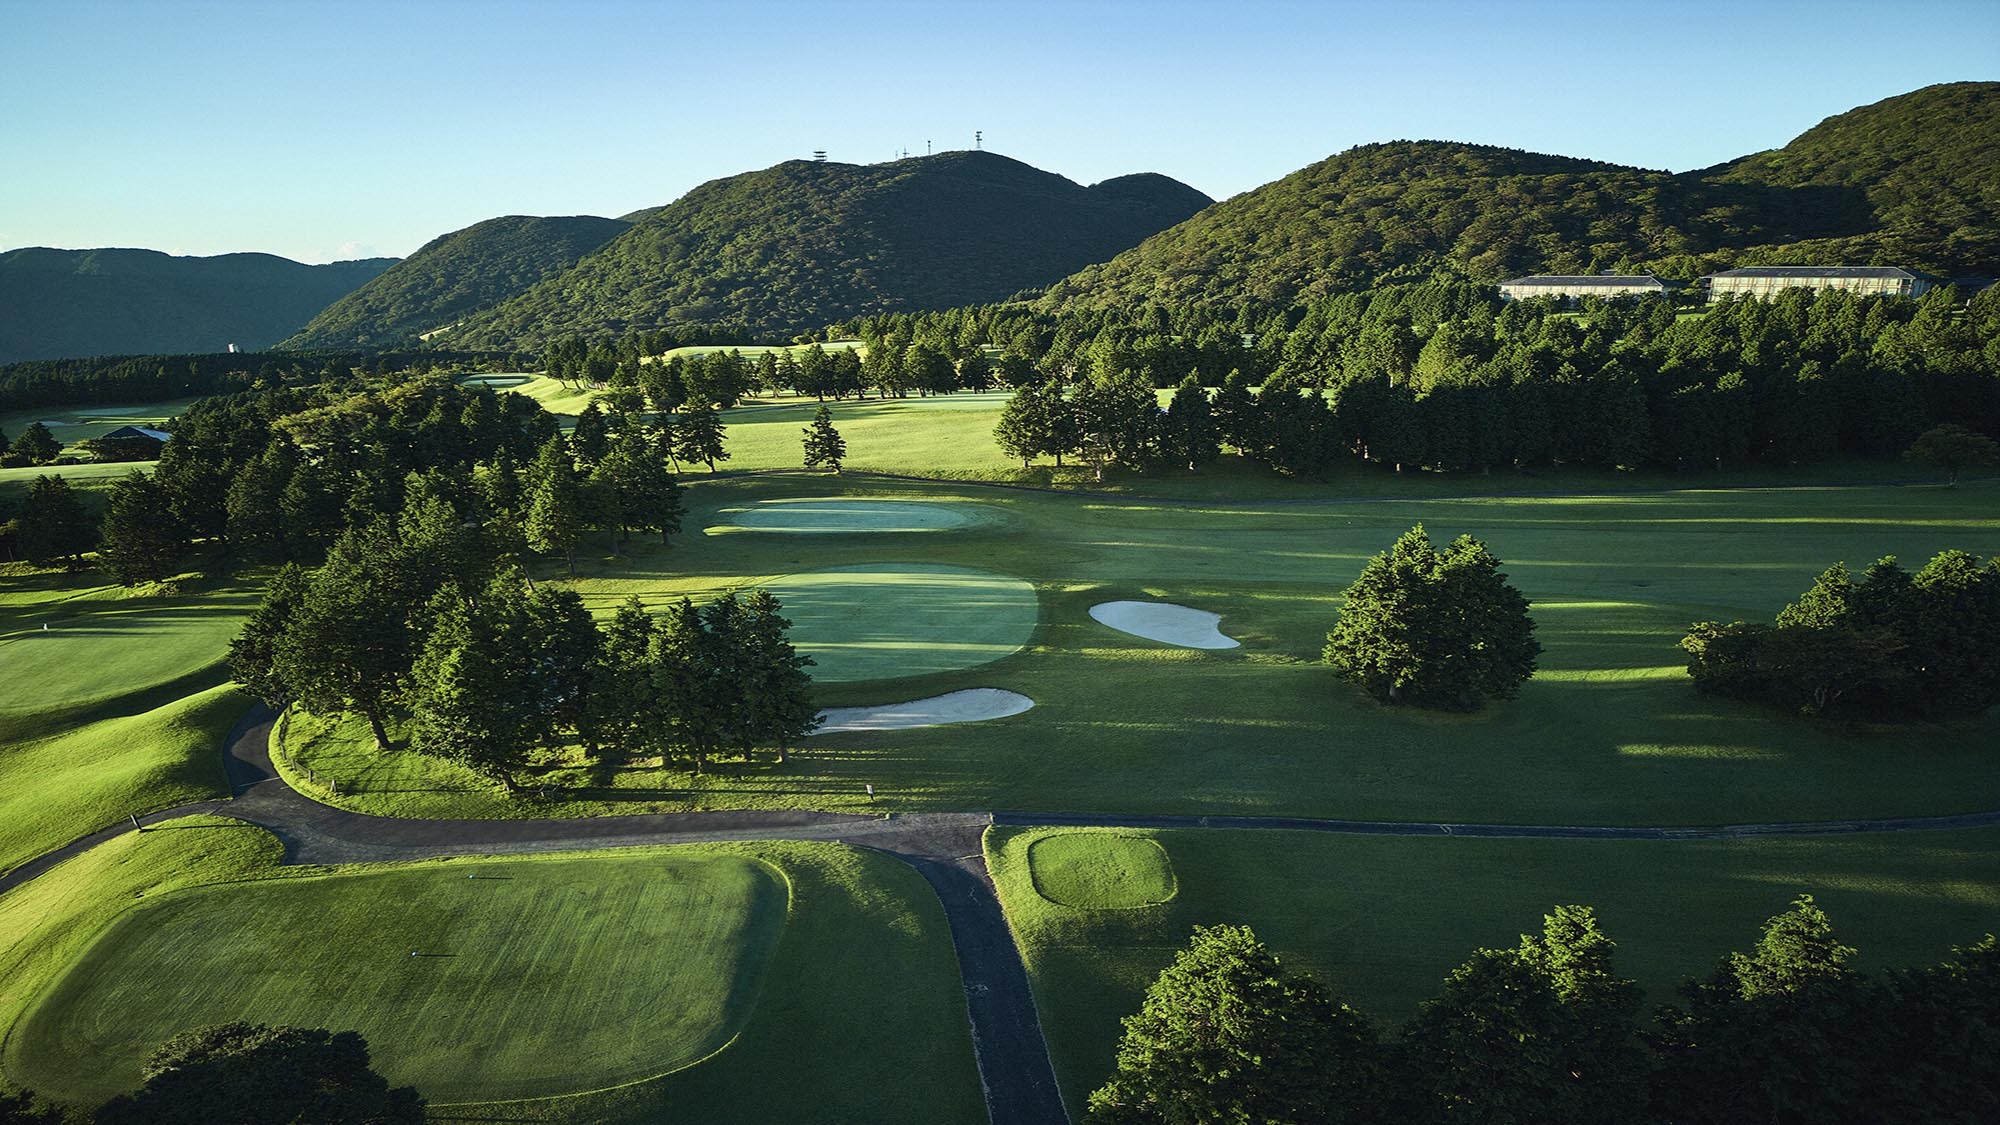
x,y
803,243
455,274
68,303
1912,181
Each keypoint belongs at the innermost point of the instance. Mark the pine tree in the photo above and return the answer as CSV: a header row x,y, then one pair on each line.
x,y
1023,430
824,446
52,526
698,434
253,655
142,539
37,444
777,689
1189,427
555,517
350,644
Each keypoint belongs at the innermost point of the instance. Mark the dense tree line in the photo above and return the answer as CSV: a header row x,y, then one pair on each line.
x,y
1893,645
1548,1031
157,378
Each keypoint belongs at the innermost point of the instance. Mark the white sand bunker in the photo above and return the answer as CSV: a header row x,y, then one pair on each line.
x,y
969,706
1165,622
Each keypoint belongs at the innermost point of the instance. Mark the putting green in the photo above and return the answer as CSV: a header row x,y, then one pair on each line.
x,y
1101,871
540,977
885,620
834,516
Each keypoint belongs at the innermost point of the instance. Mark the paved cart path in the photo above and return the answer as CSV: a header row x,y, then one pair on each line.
x,y
945,848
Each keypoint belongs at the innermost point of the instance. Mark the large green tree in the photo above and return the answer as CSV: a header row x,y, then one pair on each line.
x,y
1434,628
142,539
825,448
350,643
52,526
1954,448
1225,1034
698,434
36,445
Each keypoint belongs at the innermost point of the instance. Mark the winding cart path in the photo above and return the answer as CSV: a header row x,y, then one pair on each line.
x,y
945,848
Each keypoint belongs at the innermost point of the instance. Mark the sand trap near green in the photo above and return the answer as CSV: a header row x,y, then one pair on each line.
x,y
1101,871
839,516
882,621
969,706
539,977
1164,622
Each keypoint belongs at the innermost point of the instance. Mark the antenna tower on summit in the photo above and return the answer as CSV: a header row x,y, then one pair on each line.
x,y
978,139
819,155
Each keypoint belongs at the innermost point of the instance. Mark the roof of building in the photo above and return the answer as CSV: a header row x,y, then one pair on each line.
x,y
1884,272
1605,279
139,431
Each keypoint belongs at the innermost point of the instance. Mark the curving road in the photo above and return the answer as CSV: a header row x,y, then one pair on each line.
x,y
945,848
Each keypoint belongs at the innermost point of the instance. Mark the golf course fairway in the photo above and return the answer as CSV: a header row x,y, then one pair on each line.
x,y
472,981
882,621
839,516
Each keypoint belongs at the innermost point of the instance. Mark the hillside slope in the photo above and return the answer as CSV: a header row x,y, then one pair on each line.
x,y
71,303
456,274
1912,180
803,243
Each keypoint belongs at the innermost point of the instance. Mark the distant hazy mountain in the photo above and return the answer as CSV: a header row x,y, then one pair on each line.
x,y
804,243
62,303
456,274
1913,181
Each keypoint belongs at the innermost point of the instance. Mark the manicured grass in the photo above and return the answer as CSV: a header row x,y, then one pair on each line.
x,y
858,1015
842,516
1381,920
531,977
104,641
57,788
91,481
1100,870
555,396
1610,732
942,436
893,620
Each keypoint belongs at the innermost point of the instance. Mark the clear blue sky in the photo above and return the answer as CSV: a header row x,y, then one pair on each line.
x,y
361,127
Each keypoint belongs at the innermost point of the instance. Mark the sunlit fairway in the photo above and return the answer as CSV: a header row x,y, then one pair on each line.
x,y
841,516
556,396
896,620
1381,920
114,708
941,436
1609,732
690,974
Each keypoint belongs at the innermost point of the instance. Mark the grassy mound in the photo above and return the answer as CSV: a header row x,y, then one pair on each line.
x,y
890,620
839,516
636,967
1381,920
1101,870
54,789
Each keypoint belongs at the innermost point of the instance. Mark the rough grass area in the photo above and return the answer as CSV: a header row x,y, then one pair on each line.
x,y
851,1039
883,621
1101,870
1609,732
57,788
842,516
1381,920
531,977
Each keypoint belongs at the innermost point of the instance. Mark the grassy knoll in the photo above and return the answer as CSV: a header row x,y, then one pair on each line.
x,y
945,436
115,708
840,515
632,966
1610,732
556,397
56,788
1382,919
638,962
1100,870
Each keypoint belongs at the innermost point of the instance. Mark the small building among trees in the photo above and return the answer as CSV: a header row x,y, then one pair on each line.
x,y
1867,281
1573,285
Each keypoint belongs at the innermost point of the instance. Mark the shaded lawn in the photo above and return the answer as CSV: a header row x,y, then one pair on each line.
x,y
1381,920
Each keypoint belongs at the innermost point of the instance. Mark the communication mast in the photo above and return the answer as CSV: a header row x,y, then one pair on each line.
x,y
819,156
978,139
